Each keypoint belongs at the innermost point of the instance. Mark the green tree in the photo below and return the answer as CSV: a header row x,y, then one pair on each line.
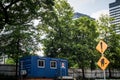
x,y
17,24
57,30
18,33
84,37
72,39
75,42
14,12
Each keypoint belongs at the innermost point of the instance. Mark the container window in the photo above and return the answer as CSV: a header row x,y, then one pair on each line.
x,y
53,64
41,63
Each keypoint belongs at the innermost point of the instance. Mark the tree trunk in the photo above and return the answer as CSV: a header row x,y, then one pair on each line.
x,y
16,74
83,75
18,51
110,73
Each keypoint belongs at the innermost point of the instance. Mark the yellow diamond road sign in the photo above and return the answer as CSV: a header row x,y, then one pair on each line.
x,y
103,63
102,46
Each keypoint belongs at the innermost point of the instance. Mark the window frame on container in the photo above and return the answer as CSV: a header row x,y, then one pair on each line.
x,y
53,64
41,65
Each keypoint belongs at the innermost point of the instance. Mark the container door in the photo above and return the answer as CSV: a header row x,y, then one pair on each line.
x,y
63,68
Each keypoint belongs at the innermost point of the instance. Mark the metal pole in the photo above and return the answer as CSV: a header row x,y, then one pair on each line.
x,y
104,75
104,71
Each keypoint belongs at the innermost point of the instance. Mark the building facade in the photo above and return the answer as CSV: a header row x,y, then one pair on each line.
x,y
78,15
114,10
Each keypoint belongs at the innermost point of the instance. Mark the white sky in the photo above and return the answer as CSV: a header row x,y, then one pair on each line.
x,y
92,8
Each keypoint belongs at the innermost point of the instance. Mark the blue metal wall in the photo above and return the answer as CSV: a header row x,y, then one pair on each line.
x,y
30,64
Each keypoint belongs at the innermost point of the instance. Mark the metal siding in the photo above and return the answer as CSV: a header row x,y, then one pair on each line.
x,y
53,71
41,72
63,68
46,72
33,70
26,65
36,71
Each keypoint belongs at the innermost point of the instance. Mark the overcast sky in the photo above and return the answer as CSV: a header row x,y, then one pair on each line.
x,y
92,8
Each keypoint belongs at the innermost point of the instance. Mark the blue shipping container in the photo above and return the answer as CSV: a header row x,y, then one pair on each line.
x,y
43,67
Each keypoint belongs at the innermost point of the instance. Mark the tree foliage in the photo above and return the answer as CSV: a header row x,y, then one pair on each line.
x,y
18,34
14,12
84,41
64,37
56,38
67,38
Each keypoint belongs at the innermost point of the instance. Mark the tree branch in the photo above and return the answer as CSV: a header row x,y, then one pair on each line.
x,y
4,11
1,6
12,2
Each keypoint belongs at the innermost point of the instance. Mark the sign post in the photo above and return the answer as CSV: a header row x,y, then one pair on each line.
x,y
102,62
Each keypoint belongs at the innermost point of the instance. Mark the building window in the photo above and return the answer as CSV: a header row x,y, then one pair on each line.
x,y
41,63
53,64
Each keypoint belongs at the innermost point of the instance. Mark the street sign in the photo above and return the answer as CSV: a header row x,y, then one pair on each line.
x,y
103,63
102,46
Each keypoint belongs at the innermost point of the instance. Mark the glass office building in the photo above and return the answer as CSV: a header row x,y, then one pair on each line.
x,y
114,10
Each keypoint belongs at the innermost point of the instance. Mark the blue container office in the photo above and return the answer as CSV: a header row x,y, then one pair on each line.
x,y
43,67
